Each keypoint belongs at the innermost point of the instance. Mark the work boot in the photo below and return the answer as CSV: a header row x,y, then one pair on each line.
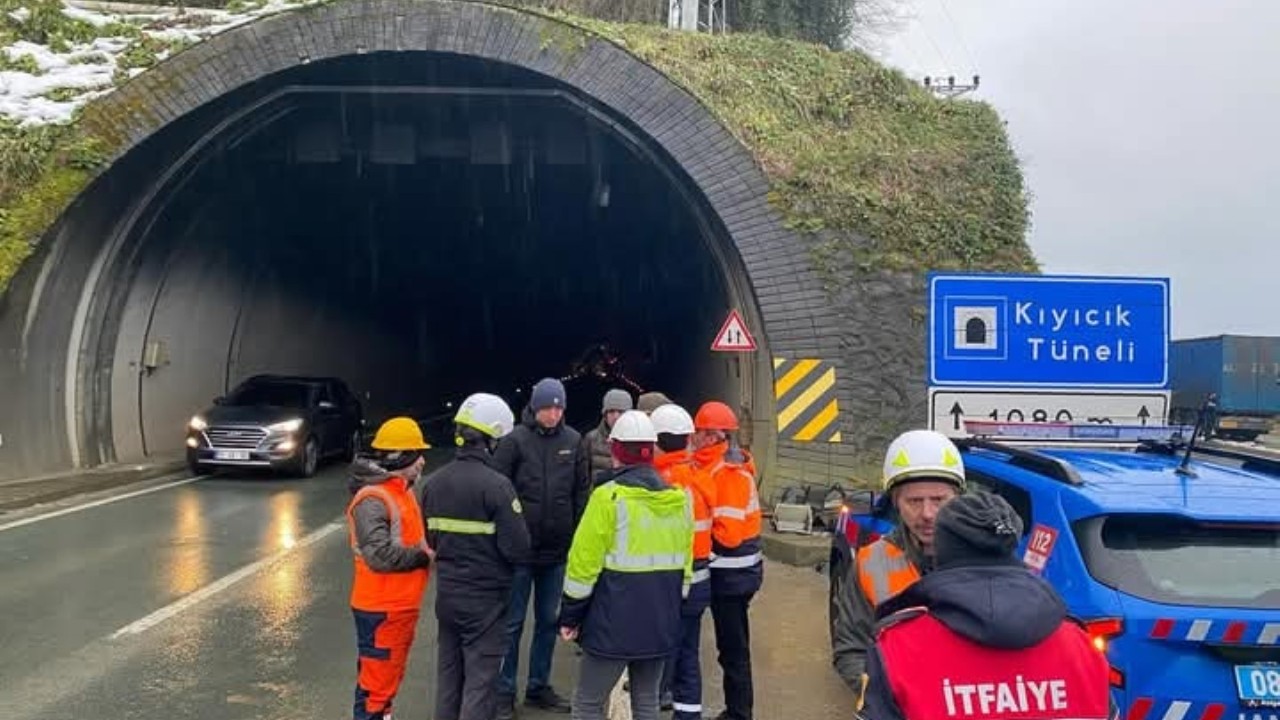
x,y
506,708
546,698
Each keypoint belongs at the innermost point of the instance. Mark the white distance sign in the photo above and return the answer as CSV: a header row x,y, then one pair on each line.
x,y
949,408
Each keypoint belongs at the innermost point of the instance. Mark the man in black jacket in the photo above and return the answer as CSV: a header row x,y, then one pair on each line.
x,y
544,459
477,528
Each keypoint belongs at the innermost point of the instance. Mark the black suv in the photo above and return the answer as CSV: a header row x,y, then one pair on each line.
x,y
279,422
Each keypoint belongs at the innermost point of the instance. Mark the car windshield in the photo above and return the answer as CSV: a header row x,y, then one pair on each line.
x,y
279,394
1173,560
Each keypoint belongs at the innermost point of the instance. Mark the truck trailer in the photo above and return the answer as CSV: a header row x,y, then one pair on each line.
x,y
1242,371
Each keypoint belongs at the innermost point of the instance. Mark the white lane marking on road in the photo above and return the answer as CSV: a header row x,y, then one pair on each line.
x,y
97,503
221,584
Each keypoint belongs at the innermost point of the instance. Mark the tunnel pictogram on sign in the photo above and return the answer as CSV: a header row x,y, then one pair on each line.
x,y
805,390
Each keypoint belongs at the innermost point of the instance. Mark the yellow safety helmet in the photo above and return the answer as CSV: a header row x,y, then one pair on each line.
x,y
923,455
399,434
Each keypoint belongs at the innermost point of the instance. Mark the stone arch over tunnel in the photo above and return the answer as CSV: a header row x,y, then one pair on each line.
x,y
69,312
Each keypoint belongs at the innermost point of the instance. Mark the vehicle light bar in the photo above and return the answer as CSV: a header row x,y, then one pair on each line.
x,y
1079,432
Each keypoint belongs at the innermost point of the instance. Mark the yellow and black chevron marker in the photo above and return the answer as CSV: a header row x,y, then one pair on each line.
x,y
806,395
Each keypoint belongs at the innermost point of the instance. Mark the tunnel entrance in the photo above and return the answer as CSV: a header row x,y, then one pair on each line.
x,y
422,225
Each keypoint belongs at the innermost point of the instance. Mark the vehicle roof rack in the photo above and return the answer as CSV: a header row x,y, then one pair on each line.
x,y
1253,461
1039,462
1078,433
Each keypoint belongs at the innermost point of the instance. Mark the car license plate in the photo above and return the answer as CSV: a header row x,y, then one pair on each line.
x,y
1259,685
231,455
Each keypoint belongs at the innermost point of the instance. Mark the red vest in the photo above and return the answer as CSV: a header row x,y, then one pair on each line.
x,y
935,673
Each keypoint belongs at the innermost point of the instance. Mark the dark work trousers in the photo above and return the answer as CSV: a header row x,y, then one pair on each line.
x,y
733,641
683,676
467,667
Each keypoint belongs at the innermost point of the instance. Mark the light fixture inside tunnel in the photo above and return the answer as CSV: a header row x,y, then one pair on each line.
x,y
393,144
317,143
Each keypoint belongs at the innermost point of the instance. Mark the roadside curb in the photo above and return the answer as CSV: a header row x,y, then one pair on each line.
x,y
22,493
799,550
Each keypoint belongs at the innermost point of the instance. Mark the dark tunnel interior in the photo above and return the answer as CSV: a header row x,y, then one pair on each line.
x,y
423,226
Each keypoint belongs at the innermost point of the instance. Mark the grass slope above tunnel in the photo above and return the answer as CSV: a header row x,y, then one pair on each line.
x,y
421,247
887,175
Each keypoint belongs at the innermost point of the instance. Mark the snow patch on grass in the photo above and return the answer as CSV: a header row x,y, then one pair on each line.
x,y
47,82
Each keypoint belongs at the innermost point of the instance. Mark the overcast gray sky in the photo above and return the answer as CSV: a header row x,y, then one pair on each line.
x,y
1149,132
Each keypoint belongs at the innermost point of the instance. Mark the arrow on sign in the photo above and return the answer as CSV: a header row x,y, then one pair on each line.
x,y
1143,414
733,336
957,413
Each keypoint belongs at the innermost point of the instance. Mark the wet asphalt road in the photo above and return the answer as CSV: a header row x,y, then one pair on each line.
x,y
278,642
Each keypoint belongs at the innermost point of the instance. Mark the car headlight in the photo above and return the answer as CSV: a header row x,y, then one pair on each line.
x,y
286,426
197,423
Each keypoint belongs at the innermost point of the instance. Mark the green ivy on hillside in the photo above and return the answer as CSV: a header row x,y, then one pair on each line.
x,y
854,149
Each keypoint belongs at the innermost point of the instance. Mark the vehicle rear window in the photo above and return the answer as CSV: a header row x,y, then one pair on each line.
x,y
291,395
1174,560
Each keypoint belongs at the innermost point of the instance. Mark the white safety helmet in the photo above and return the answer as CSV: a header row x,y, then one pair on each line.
x,y
923,455
671,419
634,426
487,413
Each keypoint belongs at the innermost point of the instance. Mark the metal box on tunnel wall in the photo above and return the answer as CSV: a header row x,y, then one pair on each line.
x,y
154,355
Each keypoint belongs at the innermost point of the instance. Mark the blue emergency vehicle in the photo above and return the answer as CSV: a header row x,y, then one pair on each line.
x,y
1169,555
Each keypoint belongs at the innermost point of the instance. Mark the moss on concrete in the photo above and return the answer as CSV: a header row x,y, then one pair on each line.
x,y
42,169
875,170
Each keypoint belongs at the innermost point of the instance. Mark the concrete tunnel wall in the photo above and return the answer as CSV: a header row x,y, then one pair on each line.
x,y
61,367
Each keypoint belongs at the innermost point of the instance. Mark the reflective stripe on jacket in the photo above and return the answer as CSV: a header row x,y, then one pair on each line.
x,y
884,570
736,561
476,526
373,590
678,469
629,566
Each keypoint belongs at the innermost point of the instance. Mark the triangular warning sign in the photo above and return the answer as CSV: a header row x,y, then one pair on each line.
x,y
733,336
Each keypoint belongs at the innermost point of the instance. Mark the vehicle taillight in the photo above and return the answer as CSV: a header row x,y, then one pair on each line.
x,y
1100,633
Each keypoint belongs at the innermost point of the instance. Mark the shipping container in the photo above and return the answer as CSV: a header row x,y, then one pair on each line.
x,y
1244,371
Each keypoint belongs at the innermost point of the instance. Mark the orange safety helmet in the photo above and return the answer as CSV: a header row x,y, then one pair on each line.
x,y
715,416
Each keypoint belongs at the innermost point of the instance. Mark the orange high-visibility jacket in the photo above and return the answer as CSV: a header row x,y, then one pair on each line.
x,y
678,469
373,590
884,570
735,522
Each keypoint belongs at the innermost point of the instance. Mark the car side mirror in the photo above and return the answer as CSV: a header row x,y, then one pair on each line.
x,y
860,502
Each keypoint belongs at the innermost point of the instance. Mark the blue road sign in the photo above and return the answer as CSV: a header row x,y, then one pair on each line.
x,y
1048,331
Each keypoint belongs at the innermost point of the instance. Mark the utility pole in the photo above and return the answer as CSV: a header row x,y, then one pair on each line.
x,y
683,15
717,17
947,87
709,16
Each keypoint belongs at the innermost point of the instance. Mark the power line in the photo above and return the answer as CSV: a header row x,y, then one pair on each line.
x,y
911,51
942,57
955,29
